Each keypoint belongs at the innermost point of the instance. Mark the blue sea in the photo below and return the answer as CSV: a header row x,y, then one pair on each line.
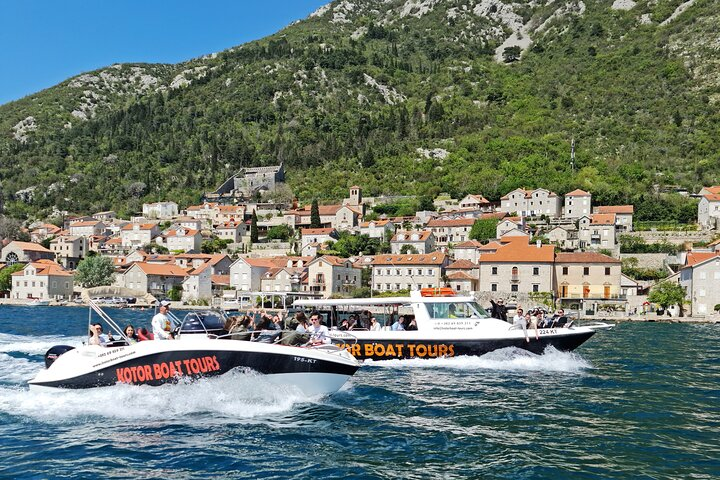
x,y
640,402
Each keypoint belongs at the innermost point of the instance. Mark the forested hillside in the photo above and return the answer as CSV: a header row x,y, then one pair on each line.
x,y
399,96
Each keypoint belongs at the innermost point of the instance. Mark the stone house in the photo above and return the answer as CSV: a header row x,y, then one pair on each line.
x,y
181,239
463,276
69,250
709,210
154,278
531,203
198,284
160,210
700,278
87,228
136,235
421,241
623,215
469,250
593,277
597,232
24,252
565,237
412,272
232,231
578,203
377,228
517,267
44,280
330,275
448,231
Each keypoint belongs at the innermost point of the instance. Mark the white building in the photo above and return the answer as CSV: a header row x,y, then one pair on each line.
x,y
700,277
160,210
709,210
623,215
181,239
578,203
377,228
87,228
419,241
530,203
44,280
135,235
412,272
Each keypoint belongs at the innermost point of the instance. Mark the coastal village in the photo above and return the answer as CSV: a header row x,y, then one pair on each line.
x,y
557,250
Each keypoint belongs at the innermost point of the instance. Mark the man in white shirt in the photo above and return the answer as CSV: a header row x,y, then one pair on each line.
x,y
161,324
319,333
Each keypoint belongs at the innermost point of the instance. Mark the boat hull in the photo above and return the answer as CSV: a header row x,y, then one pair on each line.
x,y
401,348
160,362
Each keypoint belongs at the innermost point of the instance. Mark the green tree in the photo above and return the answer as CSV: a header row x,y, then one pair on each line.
x,y
175,293
315,215
511,54
483,229
666,294
254,236
6,279
280,232
408,249
214,245
94,272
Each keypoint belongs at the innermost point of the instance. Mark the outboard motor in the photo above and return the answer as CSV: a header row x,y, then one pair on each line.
x,y
52,354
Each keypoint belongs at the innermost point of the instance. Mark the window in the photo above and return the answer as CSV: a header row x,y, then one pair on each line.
x,y
493,287
535,287
388,271
536,270
419,271
607,270
586,270
703,275
410,271
514,287
494,271
564,270
431,271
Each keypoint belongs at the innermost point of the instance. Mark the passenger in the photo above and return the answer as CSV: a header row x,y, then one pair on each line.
x,y
388,324
130,334
96,335
533,321
375,325
352,322
364,320
560,313
399,325
345,325
302,326
412,325
143,334
319,333
161,325
240,329
519,321
292,322
451,311
499,310
278,322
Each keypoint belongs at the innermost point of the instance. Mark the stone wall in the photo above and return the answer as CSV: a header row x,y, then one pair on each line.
x,y
674,237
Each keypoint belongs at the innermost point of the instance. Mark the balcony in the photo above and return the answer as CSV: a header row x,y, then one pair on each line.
x,y
515,278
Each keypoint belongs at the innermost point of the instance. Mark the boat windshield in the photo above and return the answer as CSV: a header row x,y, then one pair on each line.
x,y
456,310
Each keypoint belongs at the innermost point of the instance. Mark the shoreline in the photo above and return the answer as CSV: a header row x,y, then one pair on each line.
x,y
179,306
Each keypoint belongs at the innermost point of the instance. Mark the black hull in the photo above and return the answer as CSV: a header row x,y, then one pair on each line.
x,y
366,349
170,367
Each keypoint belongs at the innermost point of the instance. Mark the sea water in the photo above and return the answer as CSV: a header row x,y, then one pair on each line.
x,y
640,401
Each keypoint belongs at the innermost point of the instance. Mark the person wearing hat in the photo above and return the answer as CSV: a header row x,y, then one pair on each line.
x,y
499,310
161,324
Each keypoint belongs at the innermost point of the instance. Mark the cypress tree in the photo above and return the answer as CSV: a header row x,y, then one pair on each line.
x,y
315,215
254,228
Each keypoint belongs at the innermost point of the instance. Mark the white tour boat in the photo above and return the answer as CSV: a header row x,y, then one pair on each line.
x,y
447,325
201,349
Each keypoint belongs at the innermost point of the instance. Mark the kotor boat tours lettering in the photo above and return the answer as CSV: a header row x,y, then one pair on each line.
x,y
433,323
200,347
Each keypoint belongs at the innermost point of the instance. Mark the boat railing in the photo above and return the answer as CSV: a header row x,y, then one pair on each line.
x,y
106,318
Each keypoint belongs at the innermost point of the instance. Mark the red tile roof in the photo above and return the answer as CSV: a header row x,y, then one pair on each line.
x,y
141,226
317,231
714,189
616,209
469,244
693,258
453,222
30,247
44,268
712,197
577,193
408,236
165,269
434,258
602,219
460,276
462,265
520,252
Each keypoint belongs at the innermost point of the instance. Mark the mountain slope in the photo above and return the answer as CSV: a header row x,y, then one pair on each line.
x,y
409,96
